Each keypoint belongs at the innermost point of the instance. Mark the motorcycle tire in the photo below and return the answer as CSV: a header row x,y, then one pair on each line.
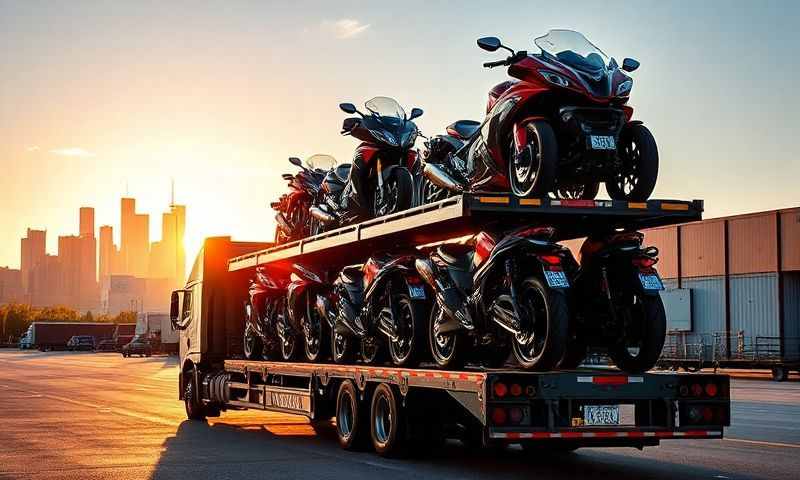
x,y
584,191
430,192
341,348
318,349
401,187
534,296
408,352
653,319
448,351
533,172
253,346
639,154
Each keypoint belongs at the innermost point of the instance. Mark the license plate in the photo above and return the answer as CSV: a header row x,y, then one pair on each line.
x,y
556,278
650,281
602,142
601,415
416,291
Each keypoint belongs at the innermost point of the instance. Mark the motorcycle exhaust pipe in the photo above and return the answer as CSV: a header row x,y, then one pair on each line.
x,y
441,178
321,215
386,325
425,270
505,318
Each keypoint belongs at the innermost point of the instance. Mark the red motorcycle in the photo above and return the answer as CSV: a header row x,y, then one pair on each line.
x,y
267,331
293,217
564,126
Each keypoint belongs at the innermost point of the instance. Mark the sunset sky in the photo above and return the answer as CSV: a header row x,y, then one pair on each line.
x,y
95,96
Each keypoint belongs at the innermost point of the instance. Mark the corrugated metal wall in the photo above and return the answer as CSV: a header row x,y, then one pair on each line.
x,y
708,304
666,240
790,239
752,242
791,314
701,252
754,305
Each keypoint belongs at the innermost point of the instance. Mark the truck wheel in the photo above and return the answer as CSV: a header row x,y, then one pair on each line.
x,y
352,421
195,410
638,351
386,422
407,349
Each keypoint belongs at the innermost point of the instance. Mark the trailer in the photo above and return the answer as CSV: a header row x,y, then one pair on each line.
x,y
395,408
54,335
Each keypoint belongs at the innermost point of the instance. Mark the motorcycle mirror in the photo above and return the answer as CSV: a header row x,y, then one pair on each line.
x,y
415,112
296,161
348,108
490,44
630,64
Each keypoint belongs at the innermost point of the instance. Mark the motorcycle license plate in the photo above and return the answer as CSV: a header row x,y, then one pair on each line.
x,y
602,142
600,415
556,278
650,281
416,291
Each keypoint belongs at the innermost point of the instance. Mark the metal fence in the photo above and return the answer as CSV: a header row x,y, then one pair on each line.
x,y
693,350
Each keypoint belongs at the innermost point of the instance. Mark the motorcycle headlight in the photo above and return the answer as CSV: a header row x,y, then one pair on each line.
x,y
385,136
624,87
554,78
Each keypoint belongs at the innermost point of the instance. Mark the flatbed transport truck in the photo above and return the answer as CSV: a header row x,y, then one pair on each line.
x,y
391,409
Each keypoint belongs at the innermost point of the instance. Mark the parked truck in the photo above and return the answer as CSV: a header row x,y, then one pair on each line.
x,y
157,330
54,335
392,408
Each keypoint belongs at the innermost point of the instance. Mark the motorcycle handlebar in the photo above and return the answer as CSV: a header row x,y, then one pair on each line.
x,y
498,63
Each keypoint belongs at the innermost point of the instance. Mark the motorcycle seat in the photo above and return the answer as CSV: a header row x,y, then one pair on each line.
x,y
352,274
463,129
456,255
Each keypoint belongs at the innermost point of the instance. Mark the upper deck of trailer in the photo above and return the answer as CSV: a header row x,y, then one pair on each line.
x,y
470,213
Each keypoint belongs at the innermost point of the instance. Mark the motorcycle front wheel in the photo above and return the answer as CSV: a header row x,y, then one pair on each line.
x,y
643,334
532,167
447,349
637,177
541,343
397,194
314,345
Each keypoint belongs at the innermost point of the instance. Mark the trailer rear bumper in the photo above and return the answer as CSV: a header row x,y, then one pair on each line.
x,y
605,434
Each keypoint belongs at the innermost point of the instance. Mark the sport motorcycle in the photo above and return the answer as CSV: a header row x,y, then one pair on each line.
x,y
266,329
563,125
293,218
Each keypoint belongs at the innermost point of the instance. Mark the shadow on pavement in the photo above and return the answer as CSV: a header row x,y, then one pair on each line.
x,y
295,449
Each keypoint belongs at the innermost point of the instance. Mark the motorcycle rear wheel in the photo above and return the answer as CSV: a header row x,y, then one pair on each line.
x,y
341,348
406,350
637,355
447,350
639,154
532,172
541,348
315,347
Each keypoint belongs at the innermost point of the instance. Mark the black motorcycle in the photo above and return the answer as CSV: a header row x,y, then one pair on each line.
x,y
381,301
378,181
293,218
305,286
266,321
489,291
617,303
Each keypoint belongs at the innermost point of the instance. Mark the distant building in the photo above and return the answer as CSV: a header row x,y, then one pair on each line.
x,y
11,285
135,239
33,251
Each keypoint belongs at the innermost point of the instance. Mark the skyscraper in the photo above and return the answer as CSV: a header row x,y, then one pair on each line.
x,y
86,222
135,239
33,251
107,251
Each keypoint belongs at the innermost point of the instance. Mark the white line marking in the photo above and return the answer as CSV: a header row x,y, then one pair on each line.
x,y
766,444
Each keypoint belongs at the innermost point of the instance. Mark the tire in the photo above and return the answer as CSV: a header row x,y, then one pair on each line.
x,y
317,349
253,345
583,191
447,351
534,296
352,418
387,422
533,172
407,351
430,192
289,348
399,189
372,351
195,410
653,319
341,347
639,154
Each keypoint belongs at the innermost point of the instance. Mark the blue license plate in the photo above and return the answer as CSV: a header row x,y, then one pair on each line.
x,y
651,281
416,291
556,278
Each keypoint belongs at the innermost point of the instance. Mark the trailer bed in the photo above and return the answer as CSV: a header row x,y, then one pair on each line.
x,y
468,213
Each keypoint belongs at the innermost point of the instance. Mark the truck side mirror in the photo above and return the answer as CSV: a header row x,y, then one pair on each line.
x,y
175,309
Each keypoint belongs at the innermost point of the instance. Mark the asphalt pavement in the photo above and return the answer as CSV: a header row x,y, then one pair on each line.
x,y
77,415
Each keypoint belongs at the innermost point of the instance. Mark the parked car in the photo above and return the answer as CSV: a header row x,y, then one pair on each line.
x,y
138,346
81,342
107,345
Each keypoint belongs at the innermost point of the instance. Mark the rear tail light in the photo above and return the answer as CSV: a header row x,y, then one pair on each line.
x,y
515,415
516,390
499,416
644,262
696,390
711,390
551,259
500,389
708,414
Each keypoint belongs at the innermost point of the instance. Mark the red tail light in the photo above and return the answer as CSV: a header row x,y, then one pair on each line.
x,y
499,416
711,390
500,390
516,390
697,390
515,414
708,415
551,259
644,262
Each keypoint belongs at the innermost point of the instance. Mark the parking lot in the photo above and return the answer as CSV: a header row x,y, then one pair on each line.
x,y
84,415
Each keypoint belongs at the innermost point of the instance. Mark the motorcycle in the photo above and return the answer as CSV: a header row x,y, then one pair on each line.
x,y
378,181
293,217
304,317
563,126
490,290
617,303
266,330
381,301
